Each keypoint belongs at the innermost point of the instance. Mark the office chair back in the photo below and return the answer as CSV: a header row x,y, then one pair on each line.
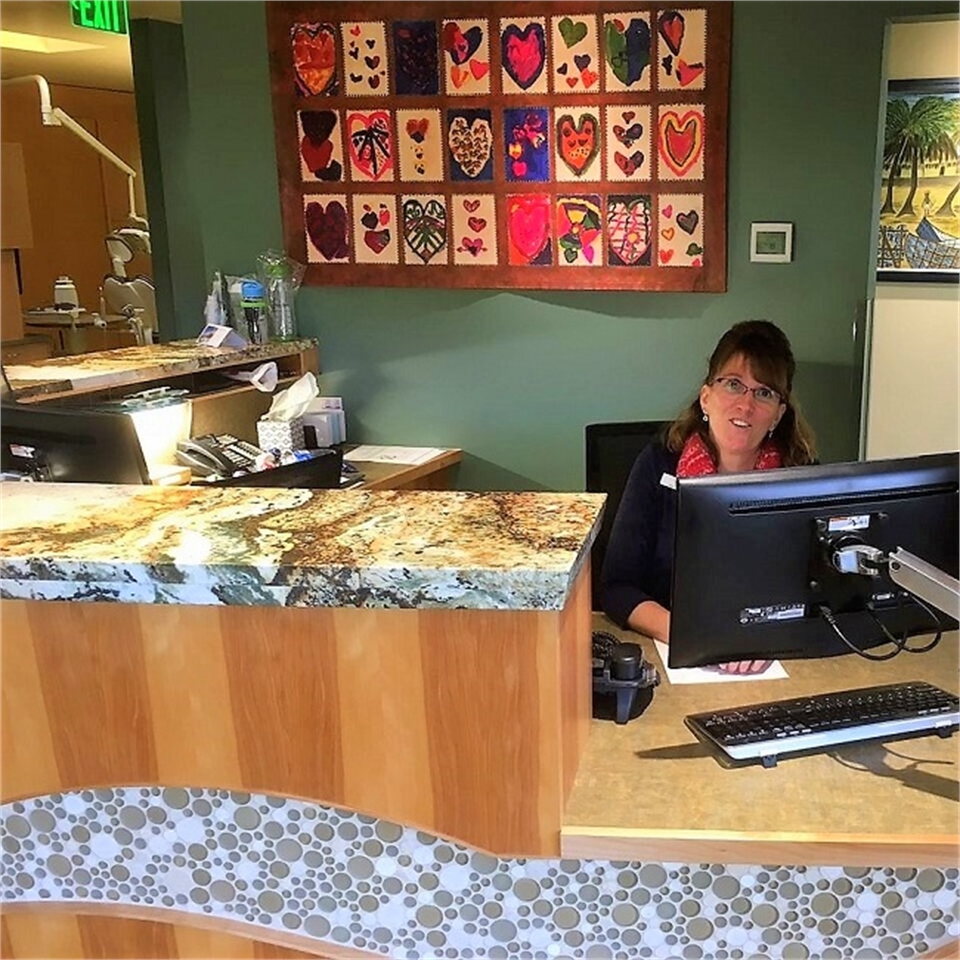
x,y
611,449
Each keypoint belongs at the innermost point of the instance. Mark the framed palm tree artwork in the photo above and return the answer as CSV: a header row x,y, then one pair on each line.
x,y
919,228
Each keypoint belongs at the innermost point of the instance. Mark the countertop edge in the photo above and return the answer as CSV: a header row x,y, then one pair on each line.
x,y
693,846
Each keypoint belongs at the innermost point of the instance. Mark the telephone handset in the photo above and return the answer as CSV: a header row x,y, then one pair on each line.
x,y
222,456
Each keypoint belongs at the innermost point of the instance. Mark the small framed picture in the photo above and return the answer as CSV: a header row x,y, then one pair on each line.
x,y
771,242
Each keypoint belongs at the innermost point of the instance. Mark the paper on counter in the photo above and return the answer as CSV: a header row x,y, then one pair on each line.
x,y
219,335
410,456
680,675
264,378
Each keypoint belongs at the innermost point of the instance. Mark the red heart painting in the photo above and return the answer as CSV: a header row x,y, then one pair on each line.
x,y
327,229
371,146
377,240
524,53
681,140
688,72
417,128
578,144
528,224
671,27
314,58
316,155
476,224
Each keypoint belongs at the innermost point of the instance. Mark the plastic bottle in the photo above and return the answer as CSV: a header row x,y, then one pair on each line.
x,y
254,311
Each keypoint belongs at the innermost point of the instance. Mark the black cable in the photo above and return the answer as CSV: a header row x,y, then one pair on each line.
x,y
899,643
936,620
827,614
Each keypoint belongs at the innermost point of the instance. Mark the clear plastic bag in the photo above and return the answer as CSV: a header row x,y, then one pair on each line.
x,y
281,278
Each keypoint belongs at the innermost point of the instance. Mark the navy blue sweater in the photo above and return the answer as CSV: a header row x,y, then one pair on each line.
x,y
638,563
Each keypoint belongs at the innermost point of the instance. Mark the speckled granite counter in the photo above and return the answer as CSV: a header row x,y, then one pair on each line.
x,y
126,366
417,655
294,548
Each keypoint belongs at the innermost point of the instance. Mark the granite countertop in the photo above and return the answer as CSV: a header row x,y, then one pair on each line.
x,y
130,365
294,547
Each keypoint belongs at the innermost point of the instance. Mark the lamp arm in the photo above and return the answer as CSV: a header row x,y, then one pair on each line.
x,y
52,116
46,110
63,119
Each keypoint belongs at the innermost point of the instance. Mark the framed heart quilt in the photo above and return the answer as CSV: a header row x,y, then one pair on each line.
x,y
503,145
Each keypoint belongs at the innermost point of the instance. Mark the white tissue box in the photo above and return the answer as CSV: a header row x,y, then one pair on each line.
x,y
282,435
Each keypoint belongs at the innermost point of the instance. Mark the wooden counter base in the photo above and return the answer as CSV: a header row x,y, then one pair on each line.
x,y
465,723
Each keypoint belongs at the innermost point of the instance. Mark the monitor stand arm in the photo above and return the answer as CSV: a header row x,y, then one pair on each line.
x,y
925,581
906,570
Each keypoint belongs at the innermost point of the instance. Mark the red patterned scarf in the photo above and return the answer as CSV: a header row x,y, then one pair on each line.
x,y
696,461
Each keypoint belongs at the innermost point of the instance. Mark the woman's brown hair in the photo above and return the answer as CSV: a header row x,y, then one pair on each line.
x,y
767,350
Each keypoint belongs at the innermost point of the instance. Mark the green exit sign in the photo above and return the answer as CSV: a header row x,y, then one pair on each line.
x,y
107,15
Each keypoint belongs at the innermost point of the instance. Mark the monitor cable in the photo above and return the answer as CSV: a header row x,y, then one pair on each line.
x,y
899,643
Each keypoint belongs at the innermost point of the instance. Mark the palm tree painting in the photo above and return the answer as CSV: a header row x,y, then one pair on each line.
x,y
919,218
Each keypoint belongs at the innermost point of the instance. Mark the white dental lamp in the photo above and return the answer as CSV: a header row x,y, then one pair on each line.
x,y
131,298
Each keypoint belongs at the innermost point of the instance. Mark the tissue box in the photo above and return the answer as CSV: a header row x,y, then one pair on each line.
x,y
282,435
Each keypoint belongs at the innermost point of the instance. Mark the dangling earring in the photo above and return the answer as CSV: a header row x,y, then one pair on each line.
x,y
770,434
706,419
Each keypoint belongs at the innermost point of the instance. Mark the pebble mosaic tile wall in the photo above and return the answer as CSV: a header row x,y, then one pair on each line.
x,y
338,877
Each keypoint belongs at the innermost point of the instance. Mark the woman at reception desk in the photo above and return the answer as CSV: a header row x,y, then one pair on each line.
x,y
349,722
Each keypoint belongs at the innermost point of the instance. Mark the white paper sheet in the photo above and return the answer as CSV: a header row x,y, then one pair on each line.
x,y
410,456
681,675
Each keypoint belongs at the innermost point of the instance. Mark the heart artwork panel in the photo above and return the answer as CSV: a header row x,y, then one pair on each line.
x,y
416,63
314,47
325,219
320,151
371,145
470,140
578,141
681,141
524,54
528,228
627,52
628,230
680,227
424,229
521,146
375,229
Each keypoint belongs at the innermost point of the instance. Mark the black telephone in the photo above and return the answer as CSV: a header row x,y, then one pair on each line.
x,y
217,456
623,680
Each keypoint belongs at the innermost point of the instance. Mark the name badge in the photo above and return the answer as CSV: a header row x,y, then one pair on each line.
x,y
668,480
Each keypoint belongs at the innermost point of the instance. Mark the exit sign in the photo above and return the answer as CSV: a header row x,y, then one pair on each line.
x,y
107,15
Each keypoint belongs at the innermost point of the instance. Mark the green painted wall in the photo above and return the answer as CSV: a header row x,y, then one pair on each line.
x,y
160,82
513,377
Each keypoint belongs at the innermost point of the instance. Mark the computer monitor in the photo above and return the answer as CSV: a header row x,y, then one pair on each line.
x,y
758,559
70,445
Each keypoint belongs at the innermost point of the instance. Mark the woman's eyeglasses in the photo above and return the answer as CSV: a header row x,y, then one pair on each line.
x,y
737,388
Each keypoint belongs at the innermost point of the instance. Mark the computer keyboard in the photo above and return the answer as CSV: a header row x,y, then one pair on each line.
x,y
764,731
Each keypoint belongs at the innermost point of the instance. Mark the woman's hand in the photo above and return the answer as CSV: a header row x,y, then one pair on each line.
x,y
744,666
